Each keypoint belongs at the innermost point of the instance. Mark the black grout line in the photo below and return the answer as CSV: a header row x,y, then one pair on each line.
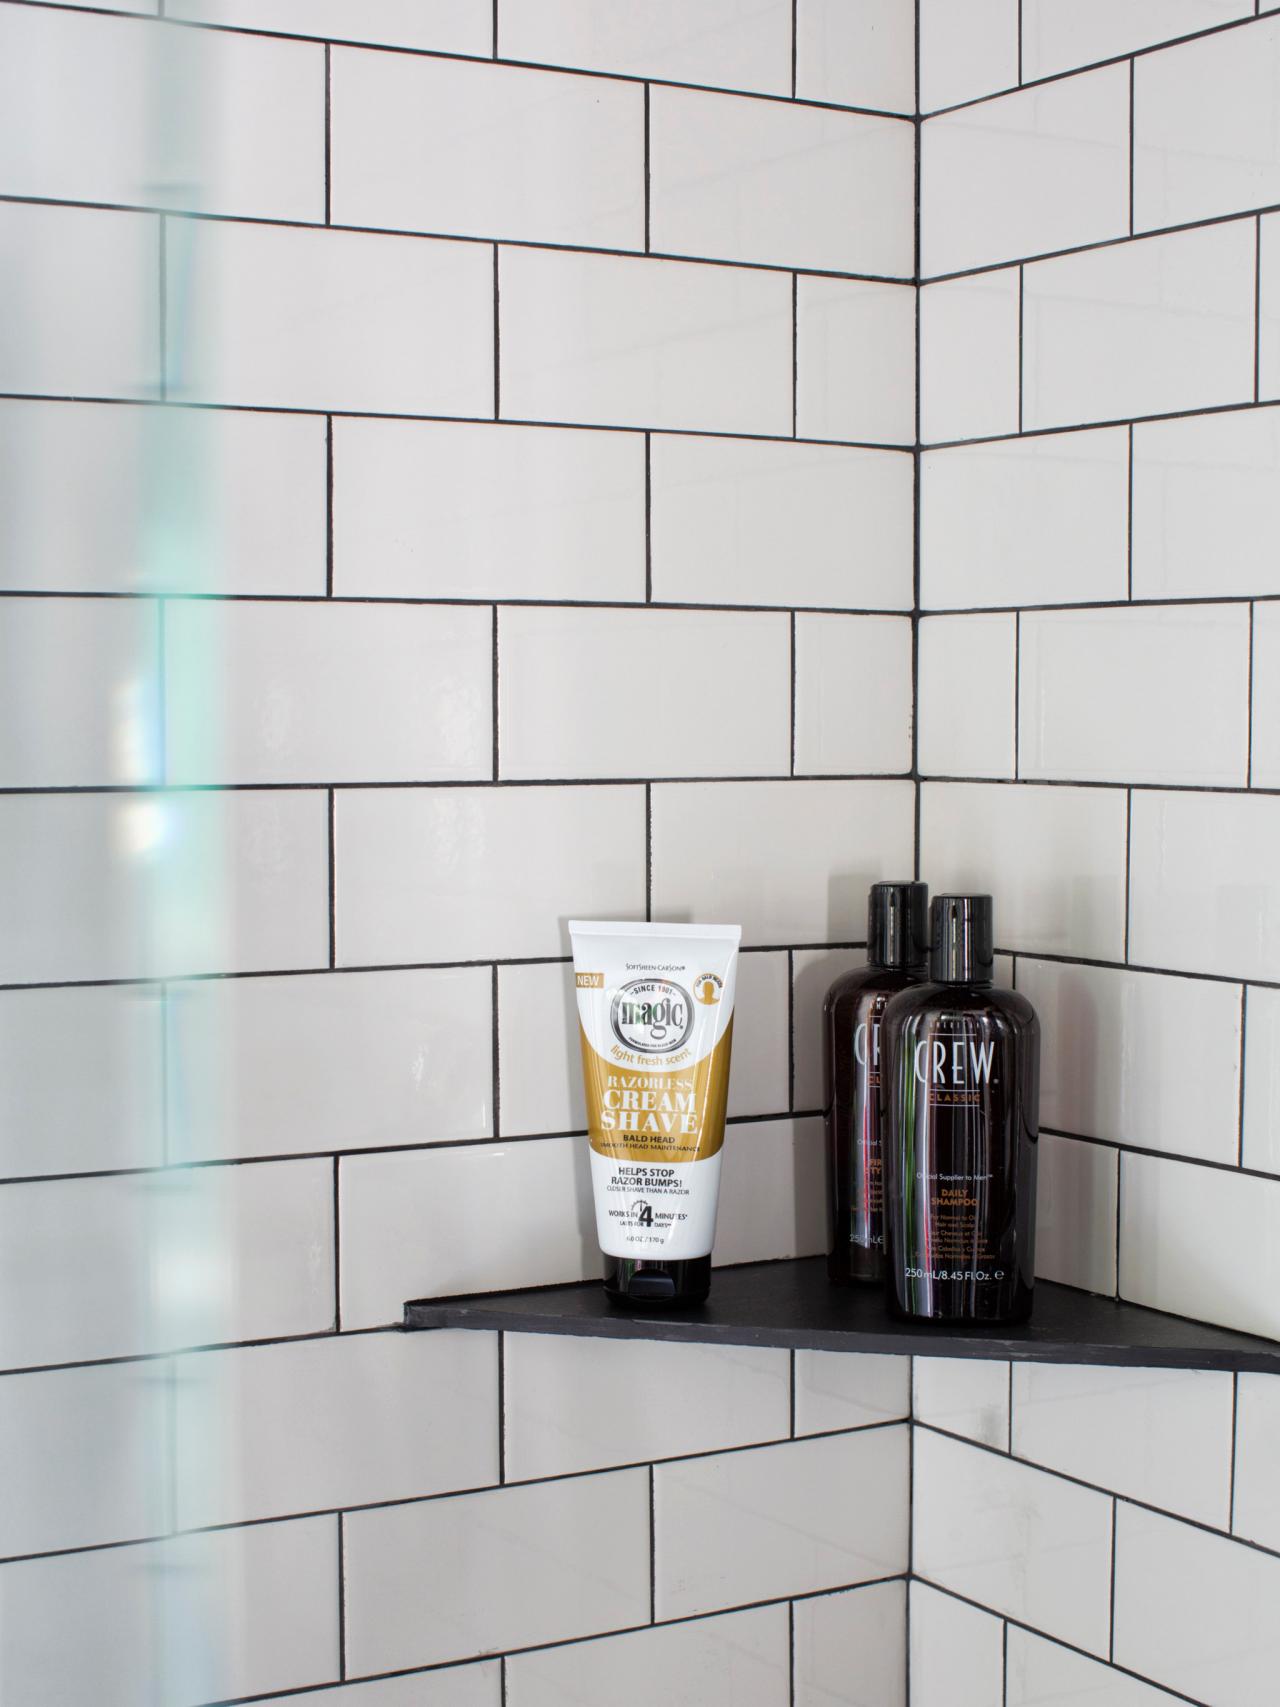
x,y
496,1019
328,134
337,1245
502,1658
1128,548
648,191
791,1605
342,1600
328,506
1008,1421
791,1379
1123,1149
648,518
1004,1623
1249,706
1017,695
1132,138
653,1550
795,355
791,1030
1111,1617
1020,34
497,338
794,47
1257,309
1243,1063
501,1338
332,828
648,851
495,703
480,601
1128,866
494,53
792,670
1120,1155
1235,1438
1021,320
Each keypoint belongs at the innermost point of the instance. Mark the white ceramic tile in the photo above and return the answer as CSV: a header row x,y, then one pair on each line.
x,y
81,1080
310,319
462,874
242,130
408,1059
855,351
1059,34
1167,1263
576,1404
79,693
772,1192
643,343
774,1520
1114,1053
353,1419
1026,521
850,1649
785,185
426,509
478,1685
1206,497
968,48
1167,701
816,970
461,149
559,667
80,295
853,694
964,1395
859,53
1054,858
1256,1511
538,1048
1204,140
789,861
727,512
1142,328
956,1652
1268,307
1076,1207
837,1390
1024,1543
83,1456
1187,846
113,1266
737,44
137,885
324,692
1044,1674
967,662
1162,1436
969,357
444,26
1262,1082
1032,172
744,1658
467,1219
184,1621
1264,770
760,1071
451,1578
1195,1611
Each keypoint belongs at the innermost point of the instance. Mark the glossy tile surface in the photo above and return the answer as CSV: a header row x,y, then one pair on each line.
x,y
1077,1200
1162,1436
476,1685
327,693
86,1106
1040,520
968,48
969,357
1261,1135
1057,37
1195,1611
741,180
772,1192
754,1525
963,1396
1055,860
974,657
1041,1673
858,53
850,1648
725,512
815,970
468,1219
1114,1051
855,361
956,1652
576,1404
443,874
448,1579
853,694
1024,1543
641,343
558,667
1040,170
837,1391
1256,1509
1168,700
446,26
805,874
427,509
421,144
1264,767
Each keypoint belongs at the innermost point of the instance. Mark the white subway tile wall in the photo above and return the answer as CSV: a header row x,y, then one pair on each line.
x,y
377,385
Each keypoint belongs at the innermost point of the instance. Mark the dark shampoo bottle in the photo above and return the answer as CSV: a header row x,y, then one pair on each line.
x,y
897,956
960,1100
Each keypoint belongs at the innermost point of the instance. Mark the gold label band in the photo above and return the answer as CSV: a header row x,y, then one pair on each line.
x,y
638,1115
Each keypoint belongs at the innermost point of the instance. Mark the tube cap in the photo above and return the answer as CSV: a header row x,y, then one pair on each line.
x,y
651,1282
963,939
898,924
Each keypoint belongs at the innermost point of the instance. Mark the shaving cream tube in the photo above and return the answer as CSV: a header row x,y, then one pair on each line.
x,y
655,1006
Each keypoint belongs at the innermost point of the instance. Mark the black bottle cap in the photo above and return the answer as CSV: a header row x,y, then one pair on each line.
x,y
898,924
963,939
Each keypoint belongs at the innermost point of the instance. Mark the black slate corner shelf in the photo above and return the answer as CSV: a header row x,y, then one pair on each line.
x,y
791,1304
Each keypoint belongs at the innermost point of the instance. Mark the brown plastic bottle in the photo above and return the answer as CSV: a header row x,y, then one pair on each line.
x,y
897,955
960,1097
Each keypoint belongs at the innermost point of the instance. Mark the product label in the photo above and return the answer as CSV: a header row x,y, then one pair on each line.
x,y
954,1072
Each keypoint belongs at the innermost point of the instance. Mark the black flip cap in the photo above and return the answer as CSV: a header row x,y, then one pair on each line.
x,y
898,924
963,939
